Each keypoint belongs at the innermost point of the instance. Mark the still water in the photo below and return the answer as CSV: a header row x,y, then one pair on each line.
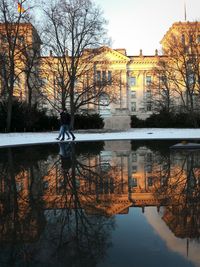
x,y
104,204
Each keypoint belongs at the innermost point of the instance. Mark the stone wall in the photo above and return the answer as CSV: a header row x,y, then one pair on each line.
x,y
117,122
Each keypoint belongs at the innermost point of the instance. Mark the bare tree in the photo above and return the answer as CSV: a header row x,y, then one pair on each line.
x,y
16,37
74,31
30,56
178,72
162,94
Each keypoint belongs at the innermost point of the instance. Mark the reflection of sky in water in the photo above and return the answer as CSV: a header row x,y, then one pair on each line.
x,y
173,243
136,243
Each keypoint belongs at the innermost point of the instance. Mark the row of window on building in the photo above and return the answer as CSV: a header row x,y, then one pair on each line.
x,y
104,77
5,39
191,38
148,107
133,80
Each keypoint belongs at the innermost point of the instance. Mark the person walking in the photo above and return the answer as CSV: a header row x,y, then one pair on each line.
x,y
65,155
65,120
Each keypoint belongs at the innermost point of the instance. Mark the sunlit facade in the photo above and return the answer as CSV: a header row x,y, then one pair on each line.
x,y
21,44
132,89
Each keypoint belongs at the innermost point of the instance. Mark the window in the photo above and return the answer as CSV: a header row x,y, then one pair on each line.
x,y
134,169
183,39
19,186
148,93
163,79
17,81
132,81
150,181
12,38
133,106
104,107
148,106
105,166
148,80
58,81
45,185
103,76
149,157
21,39
104,99
148,168
98,76
163,181
4,39
133,94
109,77
191,78
133,182
134,157
191,75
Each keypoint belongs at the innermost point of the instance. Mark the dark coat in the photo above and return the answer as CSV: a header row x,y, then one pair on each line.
x,y
65,118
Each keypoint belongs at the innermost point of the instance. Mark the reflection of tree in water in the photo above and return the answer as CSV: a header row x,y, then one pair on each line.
x,y
183,217
156,146
70,235
87,179
76,237
177,185
22,219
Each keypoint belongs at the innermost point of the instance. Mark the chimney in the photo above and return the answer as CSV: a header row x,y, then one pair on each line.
x,y
51,53
156,52
140,52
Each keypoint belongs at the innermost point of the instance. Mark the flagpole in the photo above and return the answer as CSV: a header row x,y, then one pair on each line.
x,y
185,11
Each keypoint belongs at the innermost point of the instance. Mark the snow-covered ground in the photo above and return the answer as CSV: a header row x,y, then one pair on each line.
x,y
13,139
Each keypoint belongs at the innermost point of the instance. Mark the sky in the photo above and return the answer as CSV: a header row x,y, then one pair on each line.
x,y
141,24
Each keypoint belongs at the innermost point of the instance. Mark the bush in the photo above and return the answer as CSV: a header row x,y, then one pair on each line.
x,y
31,119
25,118
88,121
162,120
136,122
168,120
185,120
2,117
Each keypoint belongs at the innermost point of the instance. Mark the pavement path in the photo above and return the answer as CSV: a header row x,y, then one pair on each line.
x,y
15,139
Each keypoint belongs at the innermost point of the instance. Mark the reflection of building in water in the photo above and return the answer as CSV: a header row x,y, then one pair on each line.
x,y
142,178
183,188
110,189
110,182
20,200
101,182
183,221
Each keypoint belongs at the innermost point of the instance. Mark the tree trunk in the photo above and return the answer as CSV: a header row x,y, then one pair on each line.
x,y
9,113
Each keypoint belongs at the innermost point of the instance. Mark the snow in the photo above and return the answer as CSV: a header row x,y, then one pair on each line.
x,y
185,145
15,139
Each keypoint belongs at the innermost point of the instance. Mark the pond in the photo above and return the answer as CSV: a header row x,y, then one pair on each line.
x,y
104,204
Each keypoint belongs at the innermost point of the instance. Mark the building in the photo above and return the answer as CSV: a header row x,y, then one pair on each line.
x,y
128,80
20,47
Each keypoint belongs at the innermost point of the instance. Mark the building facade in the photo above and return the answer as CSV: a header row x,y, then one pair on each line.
x,y
20,47
129,79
